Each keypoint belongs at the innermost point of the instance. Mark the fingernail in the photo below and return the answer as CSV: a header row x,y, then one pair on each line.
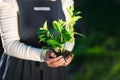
x,y
55,55
67,57
63,60
60,56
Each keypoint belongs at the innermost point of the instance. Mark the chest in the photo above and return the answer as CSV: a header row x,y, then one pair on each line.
x,y
33,13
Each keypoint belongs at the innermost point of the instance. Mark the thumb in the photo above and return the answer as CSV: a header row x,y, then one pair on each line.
x,y
53,54
50,54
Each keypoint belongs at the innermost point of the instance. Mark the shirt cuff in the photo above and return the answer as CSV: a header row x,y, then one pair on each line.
x,y
43,56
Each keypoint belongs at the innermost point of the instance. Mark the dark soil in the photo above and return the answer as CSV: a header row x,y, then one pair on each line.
x,y
65,54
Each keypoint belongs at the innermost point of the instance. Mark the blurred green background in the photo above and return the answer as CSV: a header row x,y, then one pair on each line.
x,y
97,57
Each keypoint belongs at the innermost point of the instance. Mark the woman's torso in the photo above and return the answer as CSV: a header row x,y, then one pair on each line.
x,y
33,14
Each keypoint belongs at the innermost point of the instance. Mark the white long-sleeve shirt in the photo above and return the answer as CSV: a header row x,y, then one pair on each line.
x,y
10,36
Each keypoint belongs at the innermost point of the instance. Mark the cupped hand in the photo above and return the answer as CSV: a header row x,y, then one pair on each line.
x,y
56,61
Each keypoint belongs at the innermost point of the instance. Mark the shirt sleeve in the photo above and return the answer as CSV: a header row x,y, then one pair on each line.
x,y
66,4
10,37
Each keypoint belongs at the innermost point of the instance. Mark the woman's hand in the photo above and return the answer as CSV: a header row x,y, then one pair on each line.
x,y
53,61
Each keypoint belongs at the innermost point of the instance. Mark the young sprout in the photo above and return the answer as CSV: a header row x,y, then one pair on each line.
x,y
62,32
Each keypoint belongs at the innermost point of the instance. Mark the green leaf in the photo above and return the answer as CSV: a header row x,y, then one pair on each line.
x,y
70,12
54,43
76,13
66,35
71,40
41,31
56,26
77,18
62,32
41,36
52,31
61,22
72,8
46,47
45,26
79,34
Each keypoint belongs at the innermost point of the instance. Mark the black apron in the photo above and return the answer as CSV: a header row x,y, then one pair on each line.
x,y
32,15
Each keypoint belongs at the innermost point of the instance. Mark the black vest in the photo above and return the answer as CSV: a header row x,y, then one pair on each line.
x,y
33,14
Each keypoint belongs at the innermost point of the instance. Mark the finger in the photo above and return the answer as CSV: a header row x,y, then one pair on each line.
x,y
51,60
57,63
61,62
50,53
68,61
69,57
53,55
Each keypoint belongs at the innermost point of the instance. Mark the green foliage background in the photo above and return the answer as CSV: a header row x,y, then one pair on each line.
x,y
97,57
